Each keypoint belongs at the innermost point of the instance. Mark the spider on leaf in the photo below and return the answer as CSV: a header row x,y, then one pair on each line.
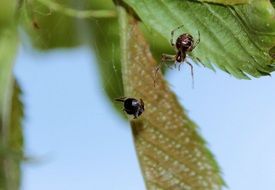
x,y
183,45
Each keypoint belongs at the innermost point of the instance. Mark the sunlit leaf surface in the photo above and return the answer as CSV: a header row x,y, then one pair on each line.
x,y
235,38
171,152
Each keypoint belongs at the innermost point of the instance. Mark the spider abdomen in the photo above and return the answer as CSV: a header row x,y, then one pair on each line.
x,y
184,42
132,106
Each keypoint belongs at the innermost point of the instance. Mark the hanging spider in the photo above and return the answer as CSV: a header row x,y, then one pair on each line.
x,y
184,44
132,106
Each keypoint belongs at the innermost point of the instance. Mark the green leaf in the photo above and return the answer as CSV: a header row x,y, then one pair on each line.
x,y
11,154
11,139
16,139
226,2
171,152
105,44
236,38
8,48
49,28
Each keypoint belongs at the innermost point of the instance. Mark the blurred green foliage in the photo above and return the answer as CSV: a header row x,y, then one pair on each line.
x,y
11,142
49,29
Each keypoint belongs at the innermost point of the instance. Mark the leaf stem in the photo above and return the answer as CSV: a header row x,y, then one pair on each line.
x,y
123,25
77,13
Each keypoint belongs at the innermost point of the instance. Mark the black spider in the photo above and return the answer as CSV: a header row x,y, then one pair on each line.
x,y
132,106
184,44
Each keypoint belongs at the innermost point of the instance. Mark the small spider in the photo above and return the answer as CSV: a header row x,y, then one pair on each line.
x,y
132,106
184,44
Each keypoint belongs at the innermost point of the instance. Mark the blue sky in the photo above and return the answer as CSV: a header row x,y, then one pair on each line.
x,y
79,142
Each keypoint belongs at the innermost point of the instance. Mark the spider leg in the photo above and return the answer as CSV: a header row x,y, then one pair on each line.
x,y
121,99
179,66
164,59
197,42
167,58
192,72
172,34
142,103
